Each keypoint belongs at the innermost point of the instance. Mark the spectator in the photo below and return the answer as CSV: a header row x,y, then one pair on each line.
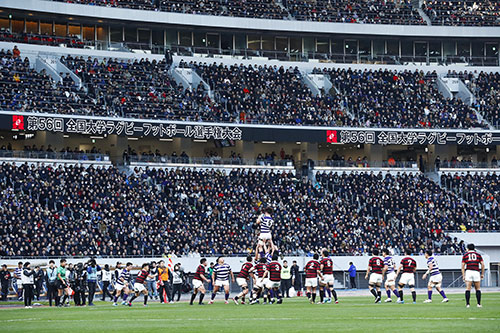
x,y
5,278
16,53
352,275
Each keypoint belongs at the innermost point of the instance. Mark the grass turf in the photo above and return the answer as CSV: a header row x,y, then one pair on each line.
x,y
294,315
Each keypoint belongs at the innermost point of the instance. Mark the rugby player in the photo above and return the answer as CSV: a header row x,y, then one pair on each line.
x,y
390,280
313,270
274,273
258,286
242,280
265,222
374,271
139,285
121,284
435,278
198,279
408,266
471,273
220,278
327,282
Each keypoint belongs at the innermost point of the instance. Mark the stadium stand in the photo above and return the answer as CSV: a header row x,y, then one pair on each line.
x,y
73,210
480,189
384,98
462,13
40,39
486,88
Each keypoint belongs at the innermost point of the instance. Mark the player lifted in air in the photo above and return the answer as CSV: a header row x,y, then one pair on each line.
x,y
471,273
242,278
327,282
265,222
374,271
390,270
220,278
258,286
408,266
313,270
198,279
435,277
273,276
139,286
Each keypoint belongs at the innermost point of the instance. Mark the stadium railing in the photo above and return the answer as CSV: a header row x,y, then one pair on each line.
x,y
52,155
366,164
214,160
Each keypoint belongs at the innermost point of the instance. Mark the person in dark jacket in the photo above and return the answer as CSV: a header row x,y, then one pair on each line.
x,y
80,284
28,281
296,278
5,277
39,278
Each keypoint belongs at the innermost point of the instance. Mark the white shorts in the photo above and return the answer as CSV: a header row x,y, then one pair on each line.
x,y
19,284
259,283
273,284
328,279
119,286
242,282
375,278
220,283
197,283
139,287
265,236
311,282
472,276
390,280
436,278
407,279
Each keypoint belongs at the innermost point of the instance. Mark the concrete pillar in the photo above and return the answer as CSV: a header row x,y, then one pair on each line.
x,y
376,153
247,149
117,145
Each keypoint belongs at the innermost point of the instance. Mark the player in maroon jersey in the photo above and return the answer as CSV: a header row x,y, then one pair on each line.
x,y
313,270
326,284
198,279
139,286
258,286
242,280
408,266
273,273
374,271
470,273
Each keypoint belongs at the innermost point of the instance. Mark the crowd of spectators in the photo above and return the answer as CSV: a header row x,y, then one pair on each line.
x,y
462,13
410,99
479,189
141,88
269,95
41,39
486,88
131,4
72,211
22,88
361,11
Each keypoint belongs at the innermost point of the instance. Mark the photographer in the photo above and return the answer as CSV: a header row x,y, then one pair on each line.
x,y
80,284
28,280
39,277
106,277
177,280
71,274
92,270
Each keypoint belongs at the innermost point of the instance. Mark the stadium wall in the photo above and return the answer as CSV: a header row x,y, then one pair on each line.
x,y
249,24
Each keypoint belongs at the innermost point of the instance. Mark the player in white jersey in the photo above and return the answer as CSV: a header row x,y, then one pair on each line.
x,y
390,272
435,278
265,222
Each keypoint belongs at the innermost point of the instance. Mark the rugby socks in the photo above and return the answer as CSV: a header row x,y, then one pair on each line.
x,y
132,299
125,297
321,295
467,297
374,292
308,296
329,292
213,296
388,291
116,298
401,294
396,292
334,295
64,299
58,299
226,296
201,298
379,295
429,294
145,299
414,296
314,297
193,296
478,296
442,293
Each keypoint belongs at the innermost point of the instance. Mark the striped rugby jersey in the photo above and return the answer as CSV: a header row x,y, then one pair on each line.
x,y
389,262
222,272
435,267
472,259
18,272
266,223
125,274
